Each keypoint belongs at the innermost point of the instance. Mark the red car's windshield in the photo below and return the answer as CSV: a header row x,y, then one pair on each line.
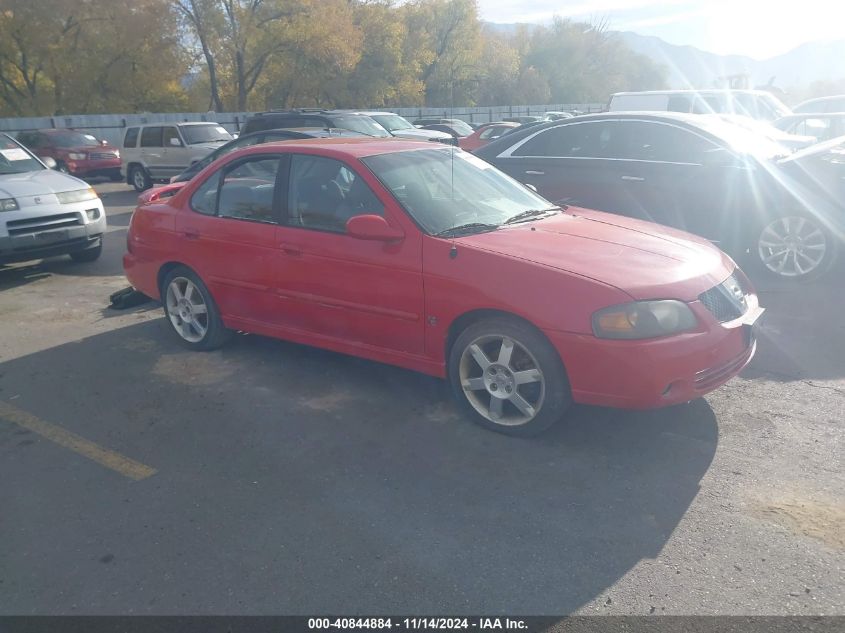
x,y
446,188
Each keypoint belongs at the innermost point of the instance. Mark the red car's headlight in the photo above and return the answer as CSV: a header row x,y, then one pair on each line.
x,y
643,319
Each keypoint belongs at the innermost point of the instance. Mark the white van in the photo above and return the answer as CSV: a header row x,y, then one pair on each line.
x,y
757,104
157,151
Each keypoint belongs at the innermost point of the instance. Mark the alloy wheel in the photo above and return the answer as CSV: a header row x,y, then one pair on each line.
x,y
187,310
139,179
792,246
502,380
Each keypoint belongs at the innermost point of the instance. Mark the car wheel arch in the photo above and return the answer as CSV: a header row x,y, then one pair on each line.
x,y
166,268
465,320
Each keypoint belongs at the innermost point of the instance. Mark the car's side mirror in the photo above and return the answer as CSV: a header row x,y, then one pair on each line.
x,y
49,161
372,227
175,142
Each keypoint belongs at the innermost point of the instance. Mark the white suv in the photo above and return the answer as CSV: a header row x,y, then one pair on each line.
x,y
43,212
158,151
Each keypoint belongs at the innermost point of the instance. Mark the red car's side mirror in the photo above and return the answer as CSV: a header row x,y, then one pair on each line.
x,y
372,227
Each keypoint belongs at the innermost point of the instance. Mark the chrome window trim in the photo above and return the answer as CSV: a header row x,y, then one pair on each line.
x,y
508,153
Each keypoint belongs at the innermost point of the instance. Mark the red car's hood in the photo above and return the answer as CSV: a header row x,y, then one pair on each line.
x,y
645,260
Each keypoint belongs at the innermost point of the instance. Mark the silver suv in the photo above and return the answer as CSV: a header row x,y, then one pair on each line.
x,y
158,151
43,212
400,127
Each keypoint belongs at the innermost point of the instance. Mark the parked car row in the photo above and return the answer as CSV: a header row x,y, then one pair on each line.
x,y
157,152
489,268
819,119
781,212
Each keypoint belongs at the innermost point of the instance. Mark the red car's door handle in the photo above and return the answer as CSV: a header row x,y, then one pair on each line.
x,y
291,250
191,234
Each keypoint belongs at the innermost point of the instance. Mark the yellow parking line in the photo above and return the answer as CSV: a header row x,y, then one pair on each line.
x,y
108,458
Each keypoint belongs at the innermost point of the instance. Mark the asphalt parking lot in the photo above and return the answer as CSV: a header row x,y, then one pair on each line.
x,y
271,478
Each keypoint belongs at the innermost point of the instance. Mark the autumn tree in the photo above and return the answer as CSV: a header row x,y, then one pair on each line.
x,y
448,34
239,39
389,71
63,56
324,48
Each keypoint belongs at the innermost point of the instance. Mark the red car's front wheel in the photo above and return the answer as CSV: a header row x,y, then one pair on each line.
x,y
508,377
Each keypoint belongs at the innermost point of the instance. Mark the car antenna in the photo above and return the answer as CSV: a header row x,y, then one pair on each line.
x,y
453,252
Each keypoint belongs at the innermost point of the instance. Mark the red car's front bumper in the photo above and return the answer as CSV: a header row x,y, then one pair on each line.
x,y
104,167
655,373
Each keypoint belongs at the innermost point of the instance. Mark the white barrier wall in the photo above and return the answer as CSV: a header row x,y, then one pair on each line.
x,y
112,126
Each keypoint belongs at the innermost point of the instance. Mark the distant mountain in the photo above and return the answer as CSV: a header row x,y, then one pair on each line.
x,y
690,67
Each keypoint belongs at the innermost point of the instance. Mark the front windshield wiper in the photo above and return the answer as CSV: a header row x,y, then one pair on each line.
x,y
471,227
530,214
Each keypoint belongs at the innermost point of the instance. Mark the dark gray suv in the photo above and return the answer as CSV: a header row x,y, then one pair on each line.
x,y
327,119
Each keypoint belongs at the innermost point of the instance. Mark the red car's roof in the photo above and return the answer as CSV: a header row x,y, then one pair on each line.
x,y
355,147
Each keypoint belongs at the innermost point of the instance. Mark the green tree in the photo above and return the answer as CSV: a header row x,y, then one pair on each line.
x,y
586,63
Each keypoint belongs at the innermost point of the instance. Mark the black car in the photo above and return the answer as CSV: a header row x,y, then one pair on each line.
x,y
452,126
728,184
824,126
523,119
255,138
456,132
314,118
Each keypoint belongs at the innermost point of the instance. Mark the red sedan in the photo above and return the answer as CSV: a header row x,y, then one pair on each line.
x,y
485,134
429,258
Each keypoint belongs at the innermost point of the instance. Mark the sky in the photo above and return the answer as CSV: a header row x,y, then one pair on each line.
x,y
758,28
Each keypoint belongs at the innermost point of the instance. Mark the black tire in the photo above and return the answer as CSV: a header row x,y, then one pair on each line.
x,y
88,255
552,394
116,177
813,237
215,334
139,178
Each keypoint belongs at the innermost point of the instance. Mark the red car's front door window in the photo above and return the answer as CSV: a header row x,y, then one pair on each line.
x,y
339,286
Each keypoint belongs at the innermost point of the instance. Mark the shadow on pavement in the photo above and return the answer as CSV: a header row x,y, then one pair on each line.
x,y
293,480
803,334
110,264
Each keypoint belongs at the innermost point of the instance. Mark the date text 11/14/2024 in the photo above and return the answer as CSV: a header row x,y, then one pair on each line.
x,y
417,624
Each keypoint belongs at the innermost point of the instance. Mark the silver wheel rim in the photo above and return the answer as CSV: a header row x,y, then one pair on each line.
x,y
187,310
502,380
792,246
139,179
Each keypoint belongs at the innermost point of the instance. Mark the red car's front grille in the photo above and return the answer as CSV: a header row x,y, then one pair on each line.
x,y
726,301
102,155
